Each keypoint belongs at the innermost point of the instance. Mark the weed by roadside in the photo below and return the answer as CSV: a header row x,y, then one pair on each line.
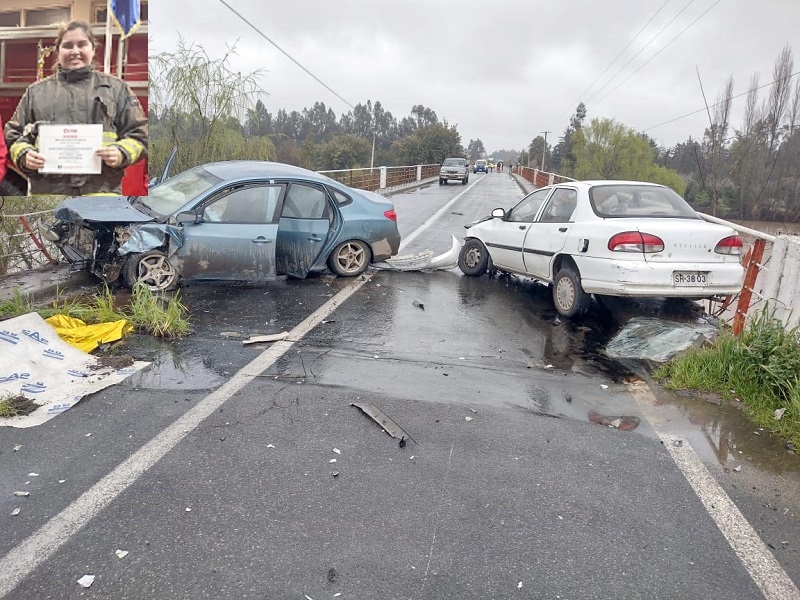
x,y
157,314
761,368
14,406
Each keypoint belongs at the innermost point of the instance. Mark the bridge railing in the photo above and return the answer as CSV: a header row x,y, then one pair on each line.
x,y
383,178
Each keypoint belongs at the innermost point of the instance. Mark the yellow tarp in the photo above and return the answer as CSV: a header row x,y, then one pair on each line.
x,y
87,337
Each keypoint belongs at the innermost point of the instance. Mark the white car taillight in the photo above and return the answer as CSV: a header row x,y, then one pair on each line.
x,y
729,245
635,241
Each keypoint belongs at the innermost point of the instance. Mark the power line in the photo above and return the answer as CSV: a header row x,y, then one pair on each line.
x,y
262,34
645,63
721,102
655,14
652,39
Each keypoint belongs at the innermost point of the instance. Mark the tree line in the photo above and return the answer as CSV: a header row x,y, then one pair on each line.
x,y
749,172
199,105
209,112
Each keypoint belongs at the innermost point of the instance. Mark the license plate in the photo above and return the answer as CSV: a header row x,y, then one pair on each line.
x,y
689,278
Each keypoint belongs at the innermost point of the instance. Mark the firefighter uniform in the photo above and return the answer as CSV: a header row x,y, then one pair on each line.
x,y
72,97
3,154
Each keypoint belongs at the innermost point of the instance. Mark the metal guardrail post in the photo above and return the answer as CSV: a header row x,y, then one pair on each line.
x,y
753,261
37,242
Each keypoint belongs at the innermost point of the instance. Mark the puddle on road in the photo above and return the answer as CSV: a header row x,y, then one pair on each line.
x,y
170,367
717,429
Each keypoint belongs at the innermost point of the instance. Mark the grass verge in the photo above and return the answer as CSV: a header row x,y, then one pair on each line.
x,y
156,314
761,368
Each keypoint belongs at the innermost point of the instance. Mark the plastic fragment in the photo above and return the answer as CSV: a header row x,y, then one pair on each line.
x,y
15,512
519,585
22,493
382,419
337,451
33,474
86,581
335,473
419,304
472,410
779,413
270,446
188,509
737,468
603,386
121,553
17,447
258,339
548,366
468,419
61,480
88,435
333,460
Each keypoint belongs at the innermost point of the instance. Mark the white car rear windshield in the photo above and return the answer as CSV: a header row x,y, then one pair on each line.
x,y
612,201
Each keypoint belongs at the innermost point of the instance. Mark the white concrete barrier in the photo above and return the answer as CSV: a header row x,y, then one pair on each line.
x,y
781,288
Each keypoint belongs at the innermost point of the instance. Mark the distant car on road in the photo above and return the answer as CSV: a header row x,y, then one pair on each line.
x,y
617,238
480,165
454,168
235,220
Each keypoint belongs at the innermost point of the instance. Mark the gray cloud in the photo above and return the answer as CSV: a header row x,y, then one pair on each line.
x,y
503,72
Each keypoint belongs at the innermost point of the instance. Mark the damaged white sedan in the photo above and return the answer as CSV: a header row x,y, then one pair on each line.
x,y
616,238
234,220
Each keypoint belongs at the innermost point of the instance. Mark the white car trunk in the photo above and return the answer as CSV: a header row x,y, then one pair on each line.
x,y
686,240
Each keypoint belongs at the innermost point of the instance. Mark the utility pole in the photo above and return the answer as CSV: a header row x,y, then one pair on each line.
x,y
372,160
544,147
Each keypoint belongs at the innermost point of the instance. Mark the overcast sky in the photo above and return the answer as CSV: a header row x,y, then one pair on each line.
x,y
501,71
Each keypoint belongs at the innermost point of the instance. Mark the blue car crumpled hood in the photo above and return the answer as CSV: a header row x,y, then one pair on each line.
x,y
99,209
145,232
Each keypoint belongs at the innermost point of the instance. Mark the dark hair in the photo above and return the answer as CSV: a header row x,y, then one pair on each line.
x,y
75,25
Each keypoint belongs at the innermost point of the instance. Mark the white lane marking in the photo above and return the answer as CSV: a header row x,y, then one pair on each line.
x,y
410,238
41,545
759,562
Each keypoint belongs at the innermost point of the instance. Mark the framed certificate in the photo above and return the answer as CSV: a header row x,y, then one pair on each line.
x,y
70,149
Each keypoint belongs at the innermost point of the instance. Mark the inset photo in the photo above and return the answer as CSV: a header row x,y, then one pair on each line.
x,y
73,97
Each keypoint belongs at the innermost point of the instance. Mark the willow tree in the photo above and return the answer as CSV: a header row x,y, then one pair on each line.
x,y
197,104
606,149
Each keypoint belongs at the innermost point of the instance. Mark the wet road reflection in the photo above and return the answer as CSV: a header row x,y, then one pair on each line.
x,y
444,337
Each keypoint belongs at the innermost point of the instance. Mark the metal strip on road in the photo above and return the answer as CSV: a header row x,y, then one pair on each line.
x,y
41,545
754,555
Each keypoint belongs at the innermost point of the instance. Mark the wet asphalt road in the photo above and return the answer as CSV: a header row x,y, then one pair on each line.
x,y
527,499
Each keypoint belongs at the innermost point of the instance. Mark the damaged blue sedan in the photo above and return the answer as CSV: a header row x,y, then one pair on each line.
x,y
234,220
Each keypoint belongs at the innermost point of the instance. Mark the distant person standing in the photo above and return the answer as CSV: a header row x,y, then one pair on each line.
x,y
77,94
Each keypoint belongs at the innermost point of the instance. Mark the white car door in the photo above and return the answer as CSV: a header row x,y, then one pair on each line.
x,y
548,234
504,239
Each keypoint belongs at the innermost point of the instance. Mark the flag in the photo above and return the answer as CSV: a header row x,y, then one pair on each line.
x,y
126,14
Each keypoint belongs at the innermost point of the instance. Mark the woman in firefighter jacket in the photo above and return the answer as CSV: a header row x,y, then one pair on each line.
x,y
78,94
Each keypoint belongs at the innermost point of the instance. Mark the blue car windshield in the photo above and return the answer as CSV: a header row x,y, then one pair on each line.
x,y
177,191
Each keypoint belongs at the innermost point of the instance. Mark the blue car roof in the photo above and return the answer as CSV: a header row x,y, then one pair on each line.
x,y
235,169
